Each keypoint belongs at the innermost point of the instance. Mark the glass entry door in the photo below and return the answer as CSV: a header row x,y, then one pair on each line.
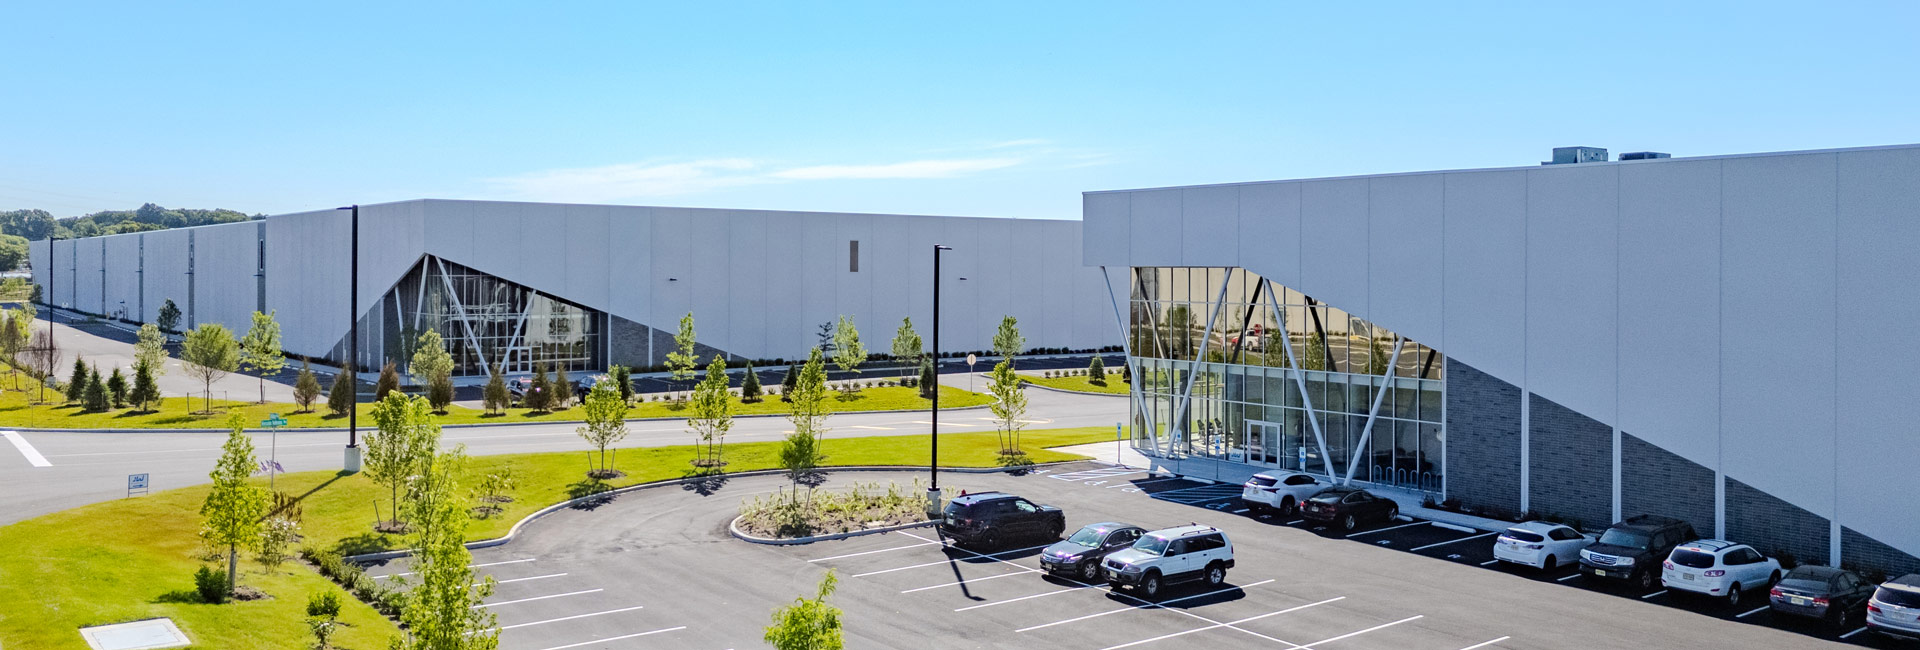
x,y
1263,443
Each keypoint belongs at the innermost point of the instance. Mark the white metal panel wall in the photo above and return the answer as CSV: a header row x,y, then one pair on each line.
x,y
1669,315
1209,218
91,276
1485,267
307,265
1404,236
123,274
1878,232
709,269
1572,299
1333,244
166,276
1269,231
588,249
630,262
225,290
1155,230
747,304
1108,237
673,282
789,332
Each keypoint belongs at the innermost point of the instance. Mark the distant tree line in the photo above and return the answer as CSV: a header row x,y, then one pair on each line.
x,y
17,227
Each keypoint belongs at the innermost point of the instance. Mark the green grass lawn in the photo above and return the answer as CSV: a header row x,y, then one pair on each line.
x,y
134,558
1080,384
17,409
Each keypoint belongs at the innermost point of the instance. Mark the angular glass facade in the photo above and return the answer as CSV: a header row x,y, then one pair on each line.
x,y
486,320
1262,365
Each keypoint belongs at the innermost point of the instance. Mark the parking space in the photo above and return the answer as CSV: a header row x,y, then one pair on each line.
x,y
539,608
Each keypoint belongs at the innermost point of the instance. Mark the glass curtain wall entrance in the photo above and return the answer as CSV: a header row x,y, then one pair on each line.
x,y
487,321
1246,402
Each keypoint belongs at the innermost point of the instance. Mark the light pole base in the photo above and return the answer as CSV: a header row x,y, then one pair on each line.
x,y
933,503
352,461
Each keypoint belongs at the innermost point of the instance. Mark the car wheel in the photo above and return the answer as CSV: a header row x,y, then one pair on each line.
x,y
1841,617
1287,506
1733,595
1057,529
1773,579
1392,511
1347,522
1090,570
1550,563
1150,585
1646,579
989,541
1216,574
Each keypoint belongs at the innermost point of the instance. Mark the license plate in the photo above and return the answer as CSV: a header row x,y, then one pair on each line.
x,y
1686,576
1600,572
1799,600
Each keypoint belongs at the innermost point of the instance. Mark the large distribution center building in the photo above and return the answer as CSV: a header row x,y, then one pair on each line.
x,y
1725,340
585,286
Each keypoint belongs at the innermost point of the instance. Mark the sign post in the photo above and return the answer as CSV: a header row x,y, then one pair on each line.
x,y
1117,435
136,483
273,423
970,360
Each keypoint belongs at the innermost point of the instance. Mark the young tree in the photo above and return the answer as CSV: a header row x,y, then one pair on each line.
x,y
604,424
443,610
907,346
1097,371
152,348
1316,356
929,381
11,340
622,378
342,396
260,349
210,353
1007,341
145,391
401,447
388,382
1009,409
234,509
848,353
809,623
306,388
680,360
440,393
750,386
539,393
44,354
430,359
562,387
97,400
808,413
788,381
77,381
495,396
169,317
712,414
117,388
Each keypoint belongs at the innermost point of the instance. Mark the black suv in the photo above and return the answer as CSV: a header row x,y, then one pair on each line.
x,y
1632,550
989,518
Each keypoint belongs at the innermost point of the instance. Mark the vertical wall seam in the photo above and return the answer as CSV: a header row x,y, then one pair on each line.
x,y
1833,523
1618,489
1526,359
1720,360
1445,377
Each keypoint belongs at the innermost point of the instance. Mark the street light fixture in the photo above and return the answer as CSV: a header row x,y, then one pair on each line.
x,y
352,461
933,464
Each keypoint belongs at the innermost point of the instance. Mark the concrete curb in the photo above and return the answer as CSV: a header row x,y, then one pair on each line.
x,y
734,527
472,425
515,530
1030,384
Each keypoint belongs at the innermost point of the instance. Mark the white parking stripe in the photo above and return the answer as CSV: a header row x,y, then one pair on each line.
x,y
550,575
1662,591
575,616
1144,605
1484,644
614,638
1140,483
1422,548
1354,634
972,580
33,455
470,566
1492,561
1015,600
950,560
884,550
1568,578
529,600
1382,530
1849,634
1755,611
1221,625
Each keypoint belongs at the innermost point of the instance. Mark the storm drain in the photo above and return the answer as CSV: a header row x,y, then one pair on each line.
x,y
137,635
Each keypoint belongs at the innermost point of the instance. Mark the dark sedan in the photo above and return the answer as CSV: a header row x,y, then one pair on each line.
x,y
1081,553
1836,596
1347,507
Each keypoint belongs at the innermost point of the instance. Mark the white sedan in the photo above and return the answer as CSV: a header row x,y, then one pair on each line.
x,y
1540,545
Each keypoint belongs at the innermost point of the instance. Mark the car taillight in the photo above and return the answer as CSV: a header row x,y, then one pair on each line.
x,y
1774,592
1535,547
1714,573
1873,608
1820,601
1668,565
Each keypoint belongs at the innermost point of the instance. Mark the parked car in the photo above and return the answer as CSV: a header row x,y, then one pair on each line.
x,y
1540,545
1718,568
1279,491
1836,596
988,518
1170,556
1631,550
1347,506
1081,553
1894,609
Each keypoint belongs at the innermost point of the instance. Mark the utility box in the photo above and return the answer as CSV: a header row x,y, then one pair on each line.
x,y
1577,155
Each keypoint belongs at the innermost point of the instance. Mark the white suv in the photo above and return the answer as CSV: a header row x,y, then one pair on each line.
x,y
1280,490
1718,568
1172,555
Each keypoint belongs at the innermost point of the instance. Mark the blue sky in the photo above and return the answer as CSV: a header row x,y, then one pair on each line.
x,y
995,109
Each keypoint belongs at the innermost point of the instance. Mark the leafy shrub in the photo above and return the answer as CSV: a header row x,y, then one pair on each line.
x,y
324,604
821,512
211,583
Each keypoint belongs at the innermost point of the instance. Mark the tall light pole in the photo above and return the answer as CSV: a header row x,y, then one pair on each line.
x,y
933,465
352,461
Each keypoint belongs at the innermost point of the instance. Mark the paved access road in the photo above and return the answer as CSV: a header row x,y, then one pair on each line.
x,y
657,569
84,468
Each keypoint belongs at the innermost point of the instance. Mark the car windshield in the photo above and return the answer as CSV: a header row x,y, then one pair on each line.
x,y
1524,535
1262,481
1627,538
1088,537
1691,558
1151,545
959,510
1898,597
1329,497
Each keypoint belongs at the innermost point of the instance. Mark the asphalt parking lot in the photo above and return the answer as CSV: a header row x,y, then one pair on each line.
x,y
657,569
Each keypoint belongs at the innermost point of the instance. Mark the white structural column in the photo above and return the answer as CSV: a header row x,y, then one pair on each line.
x,y
1299,380
1179,424
1373,413
1126,347
454,297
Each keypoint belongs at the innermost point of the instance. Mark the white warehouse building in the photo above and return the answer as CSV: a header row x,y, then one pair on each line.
x,y
587,286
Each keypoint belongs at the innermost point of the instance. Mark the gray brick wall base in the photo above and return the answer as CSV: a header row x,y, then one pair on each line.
x,y
1483,439
1862,553
1654,481
1571,460
1775,526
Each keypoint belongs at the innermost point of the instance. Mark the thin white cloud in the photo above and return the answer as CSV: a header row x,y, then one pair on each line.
x,y
1029,142
614,182
910,169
